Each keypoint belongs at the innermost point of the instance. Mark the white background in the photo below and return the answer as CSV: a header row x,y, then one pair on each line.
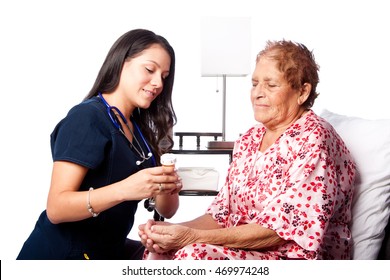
x,y
51,52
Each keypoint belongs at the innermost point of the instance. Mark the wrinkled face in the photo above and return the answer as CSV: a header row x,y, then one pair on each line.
x,y
275,103
142,77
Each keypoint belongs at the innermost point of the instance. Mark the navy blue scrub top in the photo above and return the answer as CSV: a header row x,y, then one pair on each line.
x,y
86,136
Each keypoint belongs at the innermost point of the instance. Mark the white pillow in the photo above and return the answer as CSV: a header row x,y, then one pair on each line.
x,y
369,144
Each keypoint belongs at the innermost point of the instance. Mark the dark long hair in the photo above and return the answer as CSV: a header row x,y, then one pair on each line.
x,y
157,121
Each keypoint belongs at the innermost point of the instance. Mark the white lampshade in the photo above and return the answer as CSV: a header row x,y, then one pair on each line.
x,y
226,43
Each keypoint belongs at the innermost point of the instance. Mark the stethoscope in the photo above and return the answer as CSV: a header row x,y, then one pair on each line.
x,y
149,203
113,109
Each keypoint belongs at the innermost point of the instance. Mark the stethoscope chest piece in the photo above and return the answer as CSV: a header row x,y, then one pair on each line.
x,y
149,204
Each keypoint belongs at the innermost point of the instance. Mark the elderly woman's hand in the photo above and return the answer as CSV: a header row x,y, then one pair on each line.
x,y
163,237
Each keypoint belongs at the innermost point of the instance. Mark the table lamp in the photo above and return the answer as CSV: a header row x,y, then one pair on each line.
x,y
225,52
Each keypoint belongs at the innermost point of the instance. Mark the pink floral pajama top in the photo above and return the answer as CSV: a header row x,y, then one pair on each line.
x,y
300,187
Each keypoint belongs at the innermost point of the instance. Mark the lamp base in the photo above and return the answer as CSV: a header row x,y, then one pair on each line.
x,y
220,145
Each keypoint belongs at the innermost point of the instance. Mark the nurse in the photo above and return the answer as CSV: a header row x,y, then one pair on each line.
x,y
106,154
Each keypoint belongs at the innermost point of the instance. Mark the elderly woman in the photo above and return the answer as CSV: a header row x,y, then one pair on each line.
x,y
288,191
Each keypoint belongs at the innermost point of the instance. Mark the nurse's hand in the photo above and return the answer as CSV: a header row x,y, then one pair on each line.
x,y
150,182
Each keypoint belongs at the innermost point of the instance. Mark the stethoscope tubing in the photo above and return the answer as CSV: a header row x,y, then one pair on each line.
x,y
116,124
